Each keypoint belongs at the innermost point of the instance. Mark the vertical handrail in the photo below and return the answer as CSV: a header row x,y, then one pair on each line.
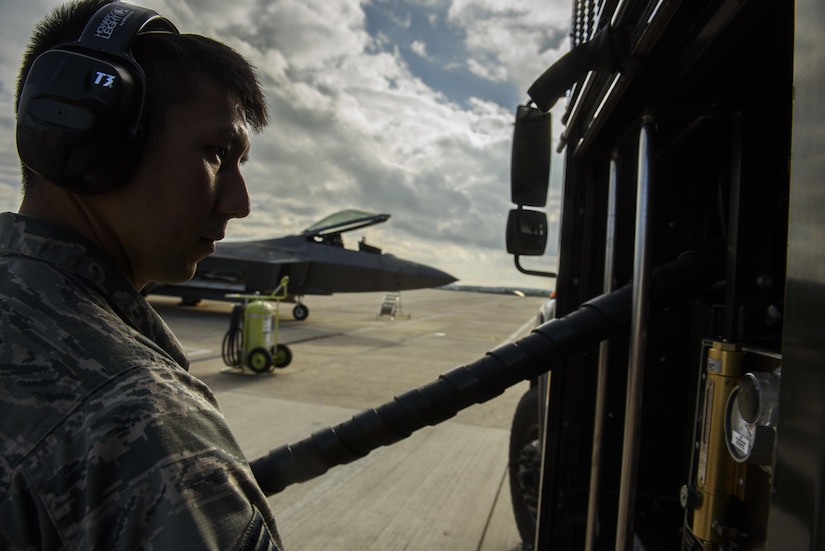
x,y
601,375
638,329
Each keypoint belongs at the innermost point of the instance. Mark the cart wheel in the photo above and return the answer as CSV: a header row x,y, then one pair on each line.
x,y
281,355
300,312
259,360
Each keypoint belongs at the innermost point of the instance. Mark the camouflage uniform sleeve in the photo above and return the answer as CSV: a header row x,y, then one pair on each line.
x,y
147,462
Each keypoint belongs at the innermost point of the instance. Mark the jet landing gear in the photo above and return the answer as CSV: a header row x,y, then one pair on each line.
x,y
301,311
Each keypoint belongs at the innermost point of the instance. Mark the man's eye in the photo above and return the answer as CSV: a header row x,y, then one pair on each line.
x,y
217,152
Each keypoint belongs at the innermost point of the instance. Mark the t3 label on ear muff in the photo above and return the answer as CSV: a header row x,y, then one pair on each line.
x,y
80,108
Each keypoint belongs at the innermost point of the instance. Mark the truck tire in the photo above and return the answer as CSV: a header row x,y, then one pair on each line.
x,y
525,464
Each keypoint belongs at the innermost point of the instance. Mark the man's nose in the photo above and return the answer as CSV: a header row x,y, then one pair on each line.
x,y
234,199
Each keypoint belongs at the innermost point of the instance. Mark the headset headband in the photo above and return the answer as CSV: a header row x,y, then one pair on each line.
x,y
114,27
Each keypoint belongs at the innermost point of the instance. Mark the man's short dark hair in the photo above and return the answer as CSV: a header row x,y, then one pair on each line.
x,y
172,63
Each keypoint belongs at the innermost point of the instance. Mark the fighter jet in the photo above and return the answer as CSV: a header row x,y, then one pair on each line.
x,y
315,260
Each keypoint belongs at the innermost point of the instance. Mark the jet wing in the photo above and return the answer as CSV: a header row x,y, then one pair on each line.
x,y
236,267
277,251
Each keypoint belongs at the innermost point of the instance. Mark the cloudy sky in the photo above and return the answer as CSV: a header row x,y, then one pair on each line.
x,y
396,106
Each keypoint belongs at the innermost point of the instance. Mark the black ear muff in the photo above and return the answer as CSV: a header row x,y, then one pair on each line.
x,y
79,117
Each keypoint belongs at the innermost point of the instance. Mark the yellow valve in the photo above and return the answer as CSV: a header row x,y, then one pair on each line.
x,y
718,476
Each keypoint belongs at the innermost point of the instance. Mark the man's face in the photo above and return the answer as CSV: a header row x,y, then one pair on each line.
x,y
186,188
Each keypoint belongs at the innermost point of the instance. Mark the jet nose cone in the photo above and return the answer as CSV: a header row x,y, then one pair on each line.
x,y
427,276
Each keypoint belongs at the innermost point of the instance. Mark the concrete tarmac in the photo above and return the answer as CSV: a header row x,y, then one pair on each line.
x,y
444,487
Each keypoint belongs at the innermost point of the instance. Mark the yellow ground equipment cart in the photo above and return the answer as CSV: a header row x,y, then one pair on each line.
x,y
252,338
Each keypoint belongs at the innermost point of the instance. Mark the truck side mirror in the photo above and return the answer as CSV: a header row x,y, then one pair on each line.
x,y
526,232
530,158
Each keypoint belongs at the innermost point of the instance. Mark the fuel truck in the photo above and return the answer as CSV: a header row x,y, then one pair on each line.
x,y
678,392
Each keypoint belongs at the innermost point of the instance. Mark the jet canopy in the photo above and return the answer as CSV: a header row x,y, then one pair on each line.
x,y
344,221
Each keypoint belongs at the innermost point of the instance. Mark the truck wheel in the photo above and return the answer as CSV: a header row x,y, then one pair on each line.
x,y
281,355
525,464
259,360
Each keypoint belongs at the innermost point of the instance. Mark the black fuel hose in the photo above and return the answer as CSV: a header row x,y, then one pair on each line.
x,y
481,380
231,347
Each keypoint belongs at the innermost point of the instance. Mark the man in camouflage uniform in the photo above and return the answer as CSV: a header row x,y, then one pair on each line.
x,y
106,440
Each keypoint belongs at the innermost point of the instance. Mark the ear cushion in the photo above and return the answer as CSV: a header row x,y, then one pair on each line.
x,y
78,121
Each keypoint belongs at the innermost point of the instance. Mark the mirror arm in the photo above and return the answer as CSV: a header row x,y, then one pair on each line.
x,y
524,270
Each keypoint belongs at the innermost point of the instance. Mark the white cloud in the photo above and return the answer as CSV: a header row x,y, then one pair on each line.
x,y
419,47
512,39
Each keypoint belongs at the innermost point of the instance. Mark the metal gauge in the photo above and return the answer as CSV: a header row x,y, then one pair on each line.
x,y
750,418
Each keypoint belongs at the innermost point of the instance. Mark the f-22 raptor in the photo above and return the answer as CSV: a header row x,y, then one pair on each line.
x,y
315,260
